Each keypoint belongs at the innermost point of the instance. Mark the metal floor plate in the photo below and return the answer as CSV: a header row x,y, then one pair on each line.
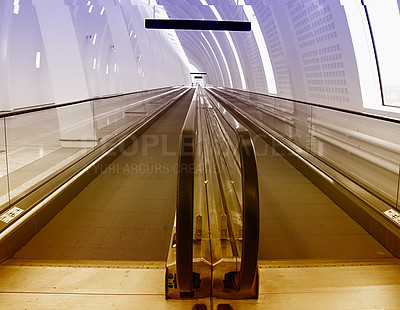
x,y
41,285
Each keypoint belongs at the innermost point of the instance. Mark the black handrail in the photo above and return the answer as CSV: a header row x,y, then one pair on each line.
x,y
184,205
251,216
250,202
50,106
363,114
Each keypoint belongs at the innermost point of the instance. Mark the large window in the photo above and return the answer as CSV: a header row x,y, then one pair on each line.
x,y
384,18
364,52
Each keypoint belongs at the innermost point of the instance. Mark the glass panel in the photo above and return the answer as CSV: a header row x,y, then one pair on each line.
x,y
114,115
4,198
41,143
302,124
284,118
35,146
365,149
110,117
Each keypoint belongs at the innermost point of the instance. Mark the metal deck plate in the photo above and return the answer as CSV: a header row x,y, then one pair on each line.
x,y
373,286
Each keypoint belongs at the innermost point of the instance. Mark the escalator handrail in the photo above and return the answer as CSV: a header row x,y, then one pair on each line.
x,y
251,218
250,201
184,205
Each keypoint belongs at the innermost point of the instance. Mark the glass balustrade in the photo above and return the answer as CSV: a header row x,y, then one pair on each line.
x,y
365,148
36,145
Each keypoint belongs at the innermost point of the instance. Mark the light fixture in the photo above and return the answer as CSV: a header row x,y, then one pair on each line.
x,y
16,7
37,60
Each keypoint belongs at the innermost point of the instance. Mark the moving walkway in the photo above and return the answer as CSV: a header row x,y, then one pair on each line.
x,y
114,123
352,157
212,129
134,229
214,247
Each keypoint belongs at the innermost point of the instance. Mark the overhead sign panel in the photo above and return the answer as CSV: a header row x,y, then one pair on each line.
x,y
186,24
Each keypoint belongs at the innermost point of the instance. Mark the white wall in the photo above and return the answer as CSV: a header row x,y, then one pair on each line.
x,y
309,44
22,84
128,57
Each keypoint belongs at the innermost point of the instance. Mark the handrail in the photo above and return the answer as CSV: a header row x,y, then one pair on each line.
x,y
250,202
374,116
251,218
49,106
375,141
184,205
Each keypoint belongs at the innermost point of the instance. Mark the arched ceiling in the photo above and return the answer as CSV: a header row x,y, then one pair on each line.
x,y
212,52
320,51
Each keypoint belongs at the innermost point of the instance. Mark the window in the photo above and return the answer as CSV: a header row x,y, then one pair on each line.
x,y
384,18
